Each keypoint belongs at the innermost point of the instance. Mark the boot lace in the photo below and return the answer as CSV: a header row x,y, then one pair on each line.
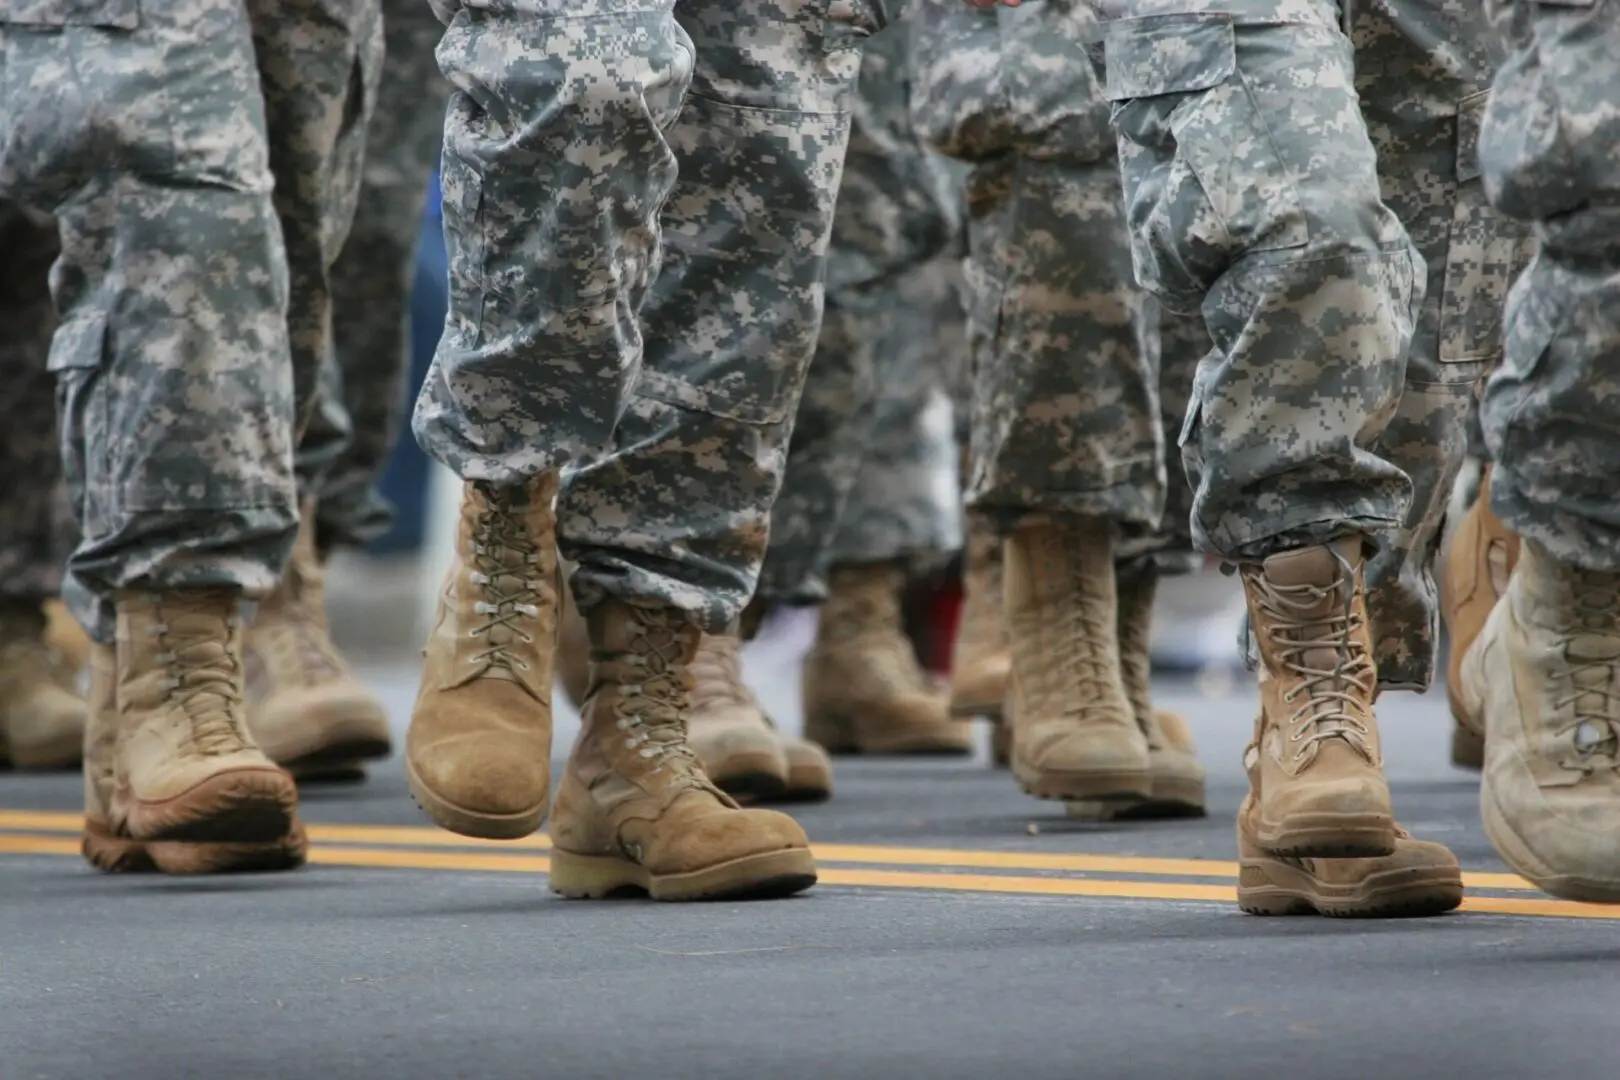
x,y
864,618
203,680
1332,708
295,643
1593,729
511,571
652,711
1078,663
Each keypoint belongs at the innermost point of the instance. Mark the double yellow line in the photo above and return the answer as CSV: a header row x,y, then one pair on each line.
x,y
1043,874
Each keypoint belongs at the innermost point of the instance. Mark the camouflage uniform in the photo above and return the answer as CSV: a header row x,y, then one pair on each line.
x,y
344,451
1336,394
1066,412
1550,151
859,477
153,133
35,528
651,327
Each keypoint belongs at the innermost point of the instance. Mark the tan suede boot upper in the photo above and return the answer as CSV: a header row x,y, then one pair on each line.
x,y
1178,778
1545,675
1323,793
41,714
1418,878
635,809
980,661
187,767
738,749
305,704
1076,734
478,752
864,690
1478,565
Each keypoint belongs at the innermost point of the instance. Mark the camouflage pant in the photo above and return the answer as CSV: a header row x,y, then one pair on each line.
x,y
649,326
35,533
1337,390
344,450
858,479
1550,151
1066,412
153,133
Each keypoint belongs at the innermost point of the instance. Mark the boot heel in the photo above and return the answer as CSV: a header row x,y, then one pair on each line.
x,y
594,877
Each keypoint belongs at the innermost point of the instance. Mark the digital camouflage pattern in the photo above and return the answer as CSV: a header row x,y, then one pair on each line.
x,y
1066,415
1336,395
1550,152
371,286
859,479
35,528
649,331
144,129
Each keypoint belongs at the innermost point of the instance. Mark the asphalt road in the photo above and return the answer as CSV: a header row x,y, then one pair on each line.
x,y
960,930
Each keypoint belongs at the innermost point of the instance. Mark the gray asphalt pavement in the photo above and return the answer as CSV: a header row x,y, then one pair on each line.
x,y
957,933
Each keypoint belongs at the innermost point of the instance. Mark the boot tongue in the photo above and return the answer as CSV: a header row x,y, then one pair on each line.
x,y
1313,615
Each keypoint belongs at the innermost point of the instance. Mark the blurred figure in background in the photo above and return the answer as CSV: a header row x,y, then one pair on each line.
x,y
42,714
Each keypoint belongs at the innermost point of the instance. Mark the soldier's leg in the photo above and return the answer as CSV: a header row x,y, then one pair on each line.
x,y
1542,674
320,63
41,716
371,281
863,688
1066,448
143,131
1308,286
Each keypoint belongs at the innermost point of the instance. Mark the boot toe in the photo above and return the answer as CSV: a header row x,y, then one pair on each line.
x,y
483,774
726,836
1566,842
339,721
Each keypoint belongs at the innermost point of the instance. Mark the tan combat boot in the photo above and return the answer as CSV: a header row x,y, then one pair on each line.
x,y
727,731
1178,779
1076,736
308,711
1323,793
41,713
1420,878
107,845
980,661
478,751
807,771
65,636
1477,568
186,767
1544,676
634,810
864,691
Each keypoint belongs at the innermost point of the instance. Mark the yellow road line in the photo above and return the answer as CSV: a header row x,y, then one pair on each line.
x,y
415,836
401,859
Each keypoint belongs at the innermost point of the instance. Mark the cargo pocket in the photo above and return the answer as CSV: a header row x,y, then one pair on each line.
x,y
1484,253
1204,185
77,355
1053,99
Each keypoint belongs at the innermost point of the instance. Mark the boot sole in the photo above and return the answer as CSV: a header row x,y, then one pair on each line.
x,y
1524,862
976,710
764,876
1171,799
753,776
121,855
1329,836
52,755
333,772
1113,786
238,806
835,738
336,740
1270,887
475,823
